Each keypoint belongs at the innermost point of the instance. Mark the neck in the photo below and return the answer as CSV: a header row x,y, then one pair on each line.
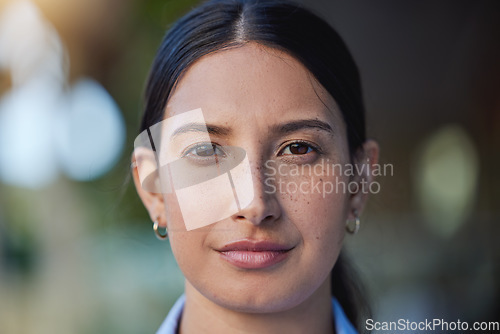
x,y
313,316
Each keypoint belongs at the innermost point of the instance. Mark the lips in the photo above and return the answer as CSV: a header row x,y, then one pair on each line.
x,y
248,254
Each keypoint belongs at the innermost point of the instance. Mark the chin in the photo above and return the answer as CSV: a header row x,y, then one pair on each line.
x,y
263,299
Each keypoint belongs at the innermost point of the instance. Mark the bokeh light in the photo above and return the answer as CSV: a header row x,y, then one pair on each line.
x,y
48,124
447,170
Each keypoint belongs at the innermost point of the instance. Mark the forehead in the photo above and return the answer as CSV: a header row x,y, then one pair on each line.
x,y
251,80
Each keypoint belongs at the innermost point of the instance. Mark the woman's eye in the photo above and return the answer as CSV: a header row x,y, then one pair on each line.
x,y
297,149
207,150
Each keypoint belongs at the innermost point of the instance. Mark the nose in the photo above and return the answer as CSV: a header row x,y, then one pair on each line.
x,y
265,207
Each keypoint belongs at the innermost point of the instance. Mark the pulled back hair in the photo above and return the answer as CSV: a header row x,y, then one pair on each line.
x,y
220,24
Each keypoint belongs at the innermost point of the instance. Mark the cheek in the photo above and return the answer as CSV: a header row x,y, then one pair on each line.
x,y
318,212
320,220
315,203
186,246
173,214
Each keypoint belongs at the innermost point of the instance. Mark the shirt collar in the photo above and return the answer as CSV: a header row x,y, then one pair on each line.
x,y
171,322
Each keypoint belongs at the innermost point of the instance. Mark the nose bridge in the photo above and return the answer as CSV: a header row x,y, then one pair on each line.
x,y
264,205
258,163
257,170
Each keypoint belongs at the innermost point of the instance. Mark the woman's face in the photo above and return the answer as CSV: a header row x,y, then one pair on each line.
x,y
267,103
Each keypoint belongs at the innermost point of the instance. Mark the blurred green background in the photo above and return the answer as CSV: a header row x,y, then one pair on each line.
x,y
77,252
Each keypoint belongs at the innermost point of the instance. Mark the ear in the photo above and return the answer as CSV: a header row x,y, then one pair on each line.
x,y
145,175
365,161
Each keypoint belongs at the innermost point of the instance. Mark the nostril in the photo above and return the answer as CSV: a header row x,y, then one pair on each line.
x,y
270,217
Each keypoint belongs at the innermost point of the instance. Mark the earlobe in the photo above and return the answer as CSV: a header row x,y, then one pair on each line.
x,y
152,200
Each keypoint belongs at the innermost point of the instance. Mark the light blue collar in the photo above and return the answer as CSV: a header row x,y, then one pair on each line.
x,y
169,325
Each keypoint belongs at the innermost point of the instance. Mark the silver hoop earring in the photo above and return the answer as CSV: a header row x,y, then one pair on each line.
x,y
156,227
357,223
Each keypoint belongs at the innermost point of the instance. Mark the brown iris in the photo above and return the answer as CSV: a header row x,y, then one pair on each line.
x,y
298,148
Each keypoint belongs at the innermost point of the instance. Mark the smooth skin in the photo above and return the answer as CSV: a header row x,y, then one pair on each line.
x,y
253,93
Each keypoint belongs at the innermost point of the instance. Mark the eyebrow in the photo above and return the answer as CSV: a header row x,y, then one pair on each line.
x,y
285,128
294,126
201,127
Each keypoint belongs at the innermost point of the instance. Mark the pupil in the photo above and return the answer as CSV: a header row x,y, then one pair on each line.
x,y
298,148
205,151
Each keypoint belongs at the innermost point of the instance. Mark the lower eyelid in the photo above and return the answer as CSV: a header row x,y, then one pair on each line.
x,y
300,159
